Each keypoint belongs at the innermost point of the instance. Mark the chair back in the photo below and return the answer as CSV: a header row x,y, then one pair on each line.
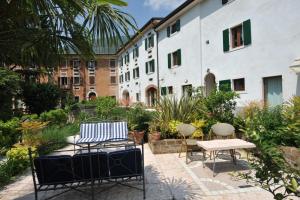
x,y
186,130
223,129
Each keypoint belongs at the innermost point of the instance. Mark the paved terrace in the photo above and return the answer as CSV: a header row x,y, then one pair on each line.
x,y
167,177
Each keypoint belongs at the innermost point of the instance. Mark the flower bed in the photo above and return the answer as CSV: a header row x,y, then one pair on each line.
x,y
165,146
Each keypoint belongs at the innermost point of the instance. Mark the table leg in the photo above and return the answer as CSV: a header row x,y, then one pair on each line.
x,y
214,164
203,159
232,153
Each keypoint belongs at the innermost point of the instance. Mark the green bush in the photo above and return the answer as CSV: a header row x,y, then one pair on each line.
x,y
138,118
31,117
9,134
104,106
58,116
41,97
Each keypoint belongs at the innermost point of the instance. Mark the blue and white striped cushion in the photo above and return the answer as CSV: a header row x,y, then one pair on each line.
x,y
119,130
103,132
87,132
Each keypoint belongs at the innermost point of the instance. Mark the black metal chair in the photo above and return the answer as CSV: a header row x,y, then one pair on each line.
x,y
92,168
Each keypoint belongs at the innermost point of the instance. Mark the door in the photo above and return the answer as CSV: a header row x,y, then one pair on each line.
x,y
273,90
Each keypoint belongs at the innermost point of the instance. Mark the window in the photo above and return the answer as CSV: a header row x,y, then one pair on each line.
x,y
112,63
75,63
127,58
113,80
121,62
149,42
137,96
166,90
237,36
150,67
225,85
65,64
174,59
127,76
135,52
239,84
76,80
173,28
63,80
92,80
187,90
170,90
121,78
76,99
136,73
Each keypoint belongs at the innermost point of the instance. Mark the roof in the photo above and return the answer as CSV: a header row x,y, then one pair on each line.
x,y
138,33
176,11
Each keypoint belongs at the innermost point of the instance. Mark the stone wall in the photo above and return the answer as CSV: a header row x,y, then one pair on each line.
x,y
165,146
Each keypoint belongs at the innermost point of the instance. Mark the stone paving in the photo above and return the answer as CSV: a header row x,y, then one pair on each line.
x,y
167,177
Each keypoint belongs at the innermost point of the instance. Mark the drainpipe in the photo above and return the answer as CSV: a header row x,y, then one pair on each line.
x,y
157,64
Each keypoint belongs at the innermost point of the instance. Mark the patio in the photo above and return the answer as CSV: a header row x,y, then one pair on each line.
x,y
167,177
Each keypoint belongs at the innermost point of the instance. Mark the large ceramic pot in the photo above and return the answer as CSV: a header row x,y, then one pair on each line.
x,y
138,136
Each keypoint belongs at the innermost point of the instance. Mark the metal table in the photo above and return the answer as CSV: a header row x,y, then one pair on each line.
x,y
215,146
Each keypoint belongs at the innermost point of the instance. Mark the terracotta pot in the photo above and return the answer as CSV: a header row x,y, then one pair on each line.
x,y
155,136
138,136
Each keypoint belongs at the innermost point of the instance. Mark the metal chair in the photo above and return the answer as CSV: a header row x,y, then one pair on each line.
x,y
186,131
222,131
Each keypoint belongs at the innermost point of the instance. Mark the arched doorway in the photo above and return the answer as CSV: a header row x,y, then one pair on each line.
x,y
92,96
125,98
210,83
151,95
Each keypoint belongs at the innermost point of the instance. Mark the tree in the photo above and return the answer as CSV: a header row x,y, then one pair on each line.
x,y
9,87
35,33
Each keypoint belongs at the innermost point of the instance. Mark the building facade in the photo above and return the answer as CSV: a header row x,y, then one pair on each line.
x,y
138,67
244,46
88,79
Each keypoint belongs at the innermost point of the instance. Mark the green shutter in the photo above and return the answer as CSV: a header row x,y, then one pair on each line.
x,y
137,52
178,25
133,73
225,85
128,57
146,43
163,91
179,56
153,65
247,32
226,40
146,67
169,61
168,31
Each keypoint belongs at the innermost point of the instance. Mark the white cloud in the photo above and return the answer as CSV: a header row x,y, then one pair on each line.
x,y
163,4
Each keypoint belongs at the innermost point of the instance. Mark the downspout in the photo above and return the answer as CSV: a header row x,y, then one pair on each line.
x,y
157,64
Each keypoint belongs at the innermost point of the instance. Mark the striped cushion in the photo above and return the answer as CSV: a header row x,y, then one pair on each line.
x,y
98,132
119,130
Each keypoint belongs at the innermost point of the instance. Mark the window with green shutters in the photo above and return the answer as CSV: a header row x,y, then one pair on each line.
x,y
163,91
150,66
225,85
135,52
174,59
237,36
127,58
173,28
136,73
149,42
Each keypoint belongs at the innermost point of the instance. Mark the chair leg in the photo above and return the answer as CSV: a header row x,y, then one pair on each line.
x,y
180,151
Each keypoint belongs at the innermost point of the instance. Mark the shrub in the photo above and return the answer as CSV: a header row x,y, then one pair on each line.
x,y
30,130
104,106
40,97
9,134
138,118
31,117
58,116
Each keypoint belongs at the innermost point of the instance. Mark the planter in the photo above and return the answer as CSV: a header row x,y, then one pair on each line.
x,y
292,156
165,146
137,136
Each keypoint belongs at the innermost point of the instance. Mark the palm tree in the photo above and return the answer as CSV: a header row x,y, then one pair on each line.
x,y
39,32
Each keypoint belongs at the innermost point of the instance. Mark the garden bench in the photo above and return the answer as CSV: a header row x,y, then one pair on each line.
x,y
95,132
94,168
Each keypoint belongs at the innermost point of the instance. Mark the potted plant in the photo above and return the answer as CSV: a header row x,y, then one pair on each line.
x,y
155,133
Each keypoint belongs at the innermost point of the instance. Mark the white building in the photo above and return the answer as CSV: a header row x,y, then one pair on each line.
x,y
138,67
245,46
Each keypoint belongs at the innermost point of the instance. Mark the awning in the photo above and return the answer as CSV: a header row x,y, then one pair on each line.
x,y
296,66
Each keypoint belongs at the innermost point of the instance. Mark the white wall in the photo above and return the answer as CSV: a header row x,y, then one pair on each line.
x,y
275,44
188,40
140,84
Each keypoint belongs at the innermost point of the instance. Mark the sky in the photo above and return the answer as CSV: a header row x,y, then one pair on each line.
x,y
143,10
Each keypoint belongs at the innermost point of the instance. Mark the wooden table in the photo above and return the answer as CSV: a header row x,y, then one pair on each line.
x,y
215,146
